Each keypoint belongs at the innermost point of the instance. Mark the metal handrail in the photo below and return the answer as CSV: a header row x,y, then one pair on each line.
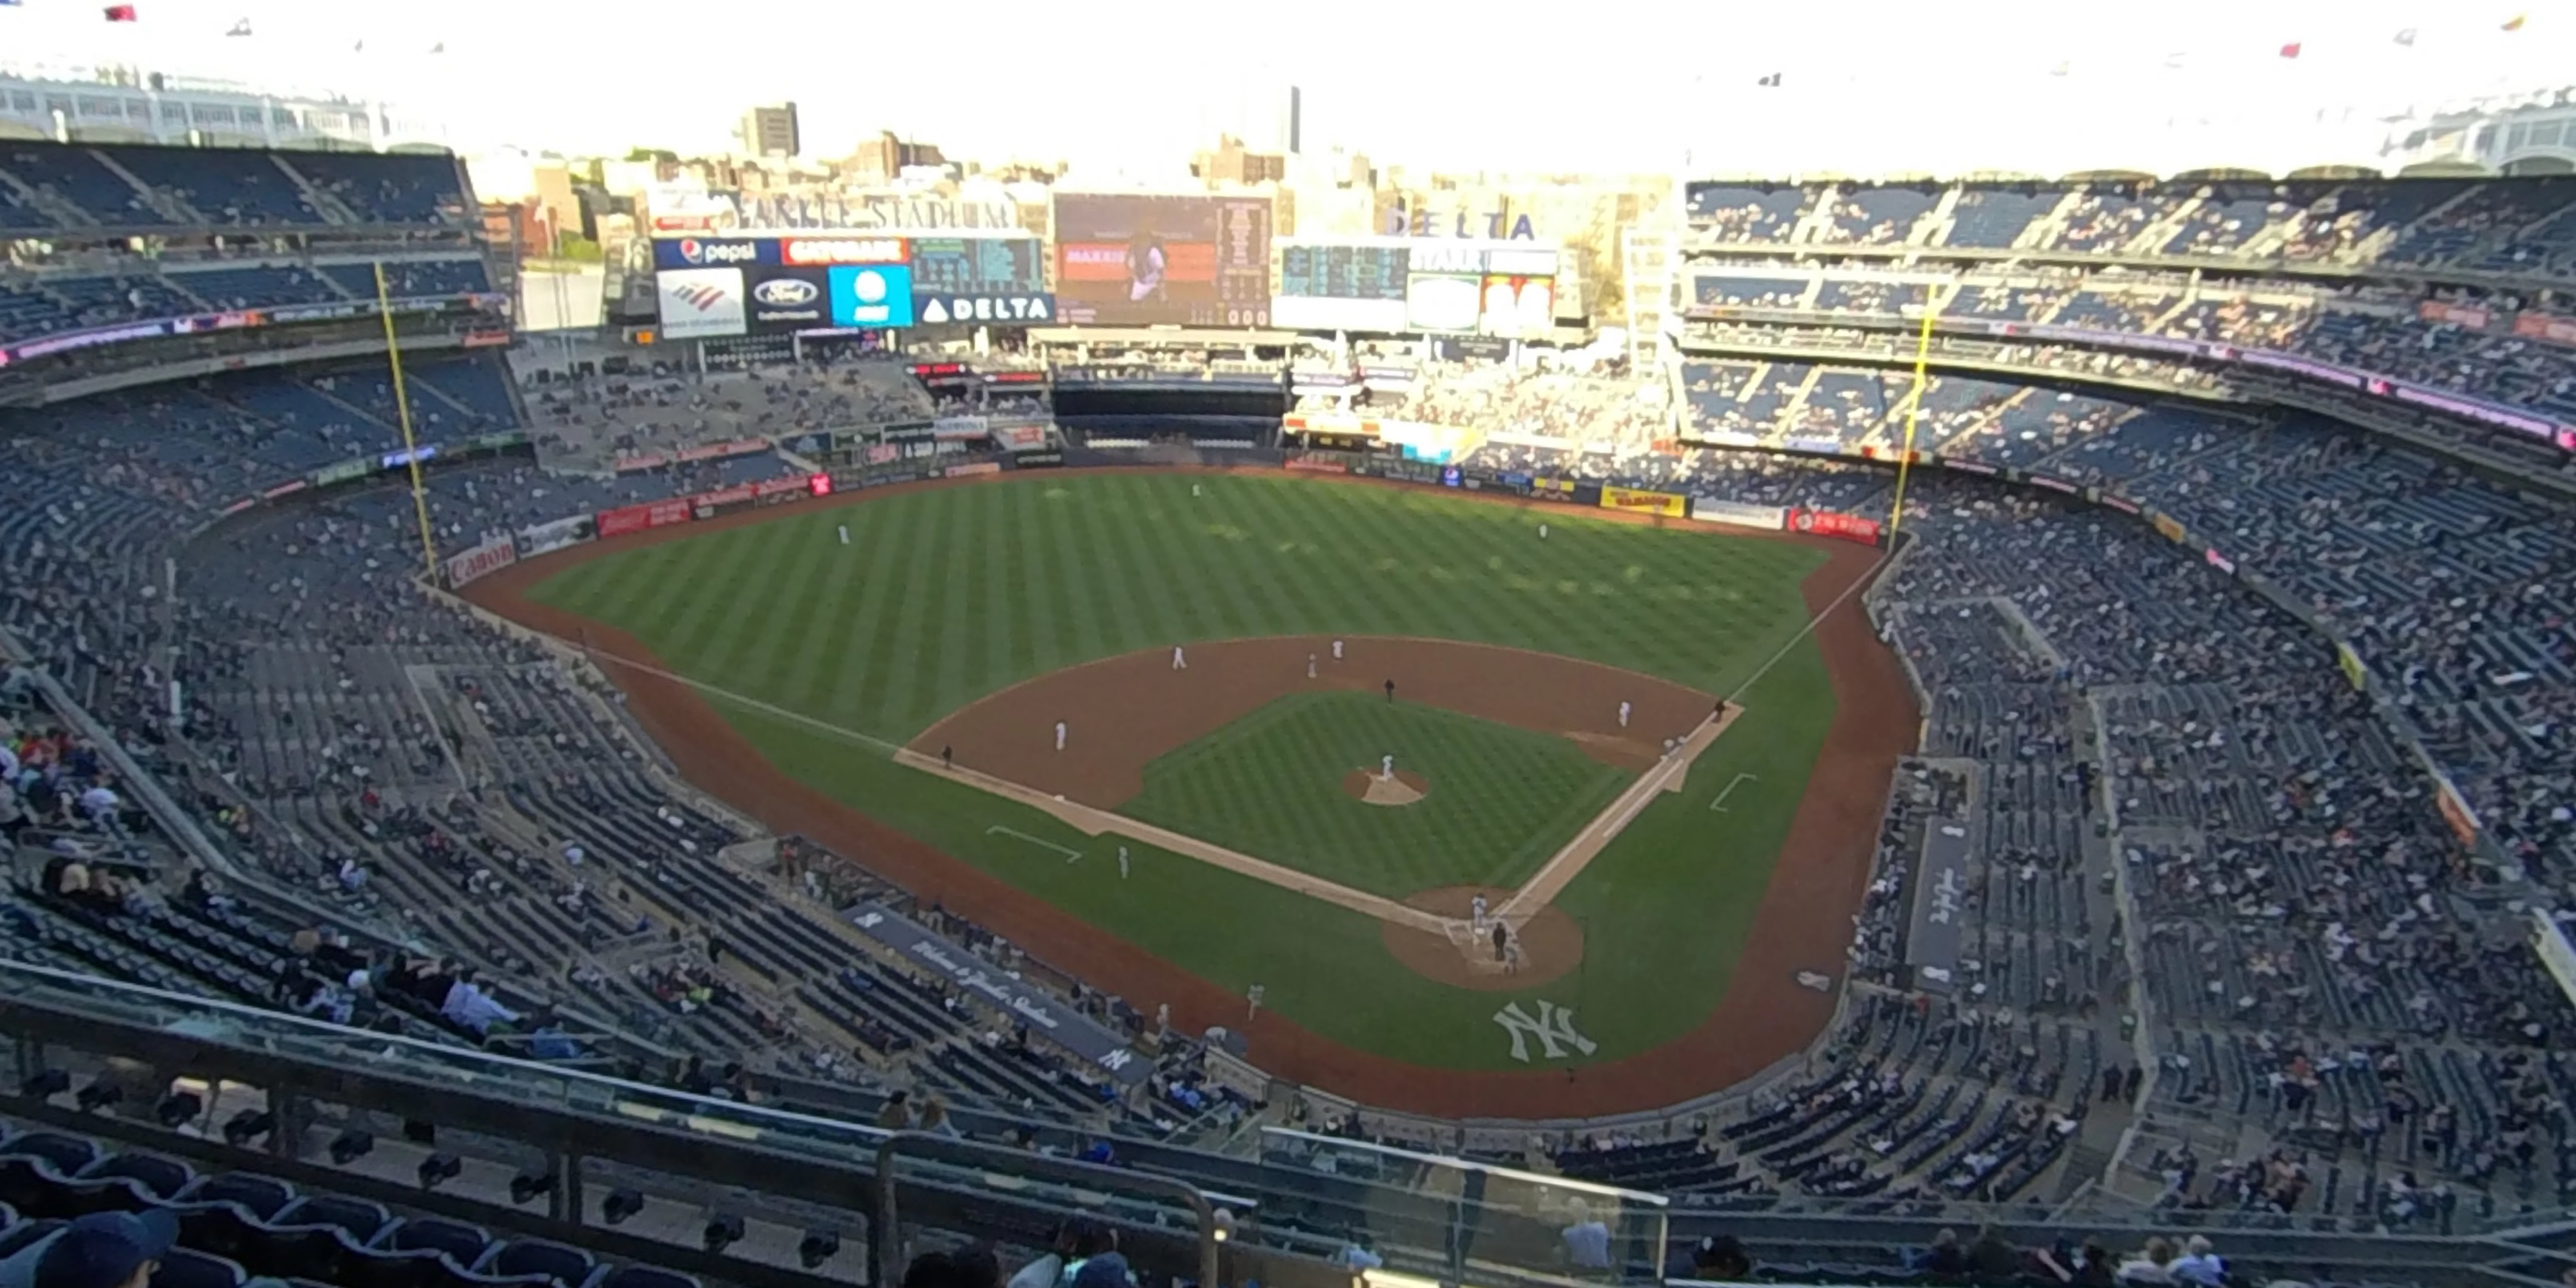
x,y
954,1149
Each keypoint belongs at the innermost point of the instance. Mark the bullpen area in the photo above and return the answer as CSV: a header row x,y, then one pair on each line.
x,y
1495,820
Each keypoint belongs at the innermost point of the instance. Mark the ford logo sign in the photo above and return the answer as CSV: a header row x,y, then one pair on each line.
x,y
785,292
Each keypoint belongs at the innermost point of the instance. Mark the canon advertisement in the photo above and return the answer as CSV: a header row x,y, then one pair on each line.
x,y
1134,260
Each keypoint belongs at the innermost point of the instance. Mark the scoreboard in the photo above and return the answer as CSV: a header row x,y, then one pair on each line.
x,y
1342,272
977,265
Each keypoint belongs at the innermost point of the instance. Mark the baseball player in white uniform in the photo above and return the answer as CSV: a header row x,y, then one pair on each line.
x,y
1476,912
1122,863
1623,707
1337,650
845,534
1059,735
1542,532
1310,666
1386,766
1180,660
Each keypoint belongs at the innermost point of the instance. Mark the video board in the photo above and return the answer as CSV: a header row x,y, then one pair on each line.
x,y
1518,307
1442,301
1340,286
1126,259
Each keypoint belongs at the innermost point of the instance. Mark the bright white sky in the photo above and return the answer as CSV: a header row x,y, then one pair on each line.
x,y
1871,86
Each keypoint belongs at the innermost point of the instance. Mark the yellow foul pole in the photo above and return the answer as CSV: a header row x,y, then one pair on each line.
x,y
1913,412
402,409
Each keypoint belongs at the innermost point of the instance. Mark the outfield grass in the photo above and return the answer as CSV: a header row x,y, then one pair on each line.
x,y
946,595
1501,801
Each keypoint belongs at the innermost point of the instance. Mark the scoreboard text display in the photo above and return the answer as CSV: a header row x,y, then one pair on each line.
x,y
1341,286
1125,259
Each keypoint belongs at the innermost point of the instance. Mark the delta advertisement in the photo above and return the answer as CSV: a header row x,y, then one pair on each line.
x,y
1636,501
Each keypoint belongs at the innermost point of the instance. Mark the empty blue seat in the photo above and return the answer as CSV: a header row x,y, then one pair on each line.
x,y
464,1244
182,1268
641,1277
361,1220
570,1267
261,1196
162,1178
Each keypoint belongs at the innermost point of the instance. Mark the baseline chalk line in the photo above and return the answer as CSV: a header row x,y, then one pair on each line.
x,y
998,830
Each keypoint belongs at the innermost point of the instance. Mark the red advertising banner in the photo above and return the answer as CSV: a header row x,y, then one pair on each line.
x,y
738,447
636,518
2545,326
1827,523
2475,319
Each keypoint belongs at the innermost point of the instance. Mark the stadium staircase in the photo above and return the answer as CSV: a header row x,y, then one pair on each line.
x,y
2151,240
162,201
2044,231
330,206
1934,227
1818,218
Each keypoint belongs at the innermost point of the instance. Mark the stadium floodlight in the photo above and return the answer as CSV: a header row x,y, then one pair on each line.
x,y
178,1109
817,1247
620,1204
248,1125
351,1145
724,1229
439,1168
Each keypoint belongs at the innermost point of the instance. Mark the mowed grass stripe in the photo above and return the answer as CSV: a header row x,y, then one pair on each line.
x,y
734,568
844,658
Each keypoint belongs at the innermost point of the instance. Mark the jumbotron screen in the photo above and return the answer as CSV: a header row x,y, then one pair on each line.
x,y
1134,260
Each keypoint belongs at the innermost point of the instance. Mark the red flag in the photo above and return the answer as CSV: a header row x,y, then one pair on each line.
x,y
120,13
2290,50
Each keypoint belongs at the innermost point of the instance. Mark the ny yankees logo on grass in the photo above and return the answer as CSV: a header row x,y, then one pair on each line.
x,y
1554,1029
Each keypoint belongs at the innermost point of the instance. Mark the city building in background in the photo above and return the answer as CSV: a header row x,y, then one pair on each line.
x,y
885,158
770,131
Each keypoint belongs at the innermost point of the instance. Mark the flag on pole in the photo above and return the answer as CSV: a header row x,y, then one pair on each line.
x,y
239,28
2290,50
1771,81
120,13
2406,37
2515,22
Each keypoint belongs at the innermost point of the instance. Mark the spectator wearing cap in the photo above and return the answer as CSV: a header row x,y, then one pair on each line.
x,y
1108,1270
101,1250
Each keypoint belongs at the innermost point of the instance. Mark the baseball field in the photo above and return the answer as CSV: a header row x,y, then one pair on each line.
x,y
1187,734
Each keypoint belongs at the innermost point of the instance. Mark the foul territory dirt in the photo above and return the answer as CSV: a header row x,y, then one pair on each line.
x,y
1803,925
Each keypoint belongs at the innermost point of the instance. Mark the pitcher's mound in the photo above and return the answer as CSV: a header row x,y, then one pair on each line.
x,y
1551,943
1404,789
